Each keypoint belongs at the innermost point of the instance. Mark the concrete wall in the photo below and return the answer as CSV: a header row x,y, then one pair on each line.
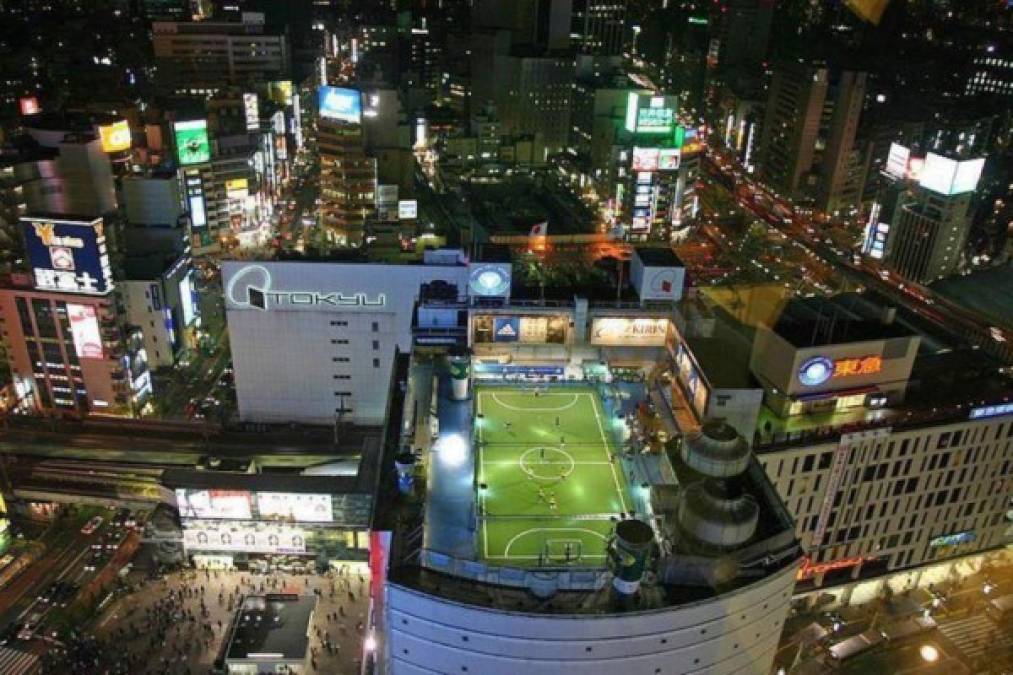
x,y
733,633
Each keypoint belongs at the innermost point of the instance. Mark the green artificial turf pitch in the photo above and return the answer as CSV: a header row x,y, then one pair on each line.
x,y
552,482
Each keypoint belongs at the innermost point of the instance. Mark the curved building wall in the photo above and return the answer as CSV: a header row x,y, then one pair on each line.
x,y
732,633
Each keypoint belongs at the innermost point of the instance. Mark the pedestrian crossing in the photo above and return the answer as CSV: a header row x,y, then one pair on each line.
x,y
977,636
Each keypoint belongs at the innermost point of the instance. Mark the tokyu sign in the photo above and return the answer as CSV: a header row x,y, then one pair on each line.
x,y
819,369
251,288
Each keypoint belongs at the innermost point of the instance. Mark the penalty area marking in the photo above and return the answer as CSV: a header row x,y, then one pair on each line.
x,y
534,530
561,408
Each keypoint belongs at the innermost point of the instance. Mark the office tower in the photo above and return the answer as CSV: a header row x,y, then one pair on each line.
x,y
167,10
743,32
920,221
808,141
68,345
598,27
992,73
536,98
534,25
202,57
347,173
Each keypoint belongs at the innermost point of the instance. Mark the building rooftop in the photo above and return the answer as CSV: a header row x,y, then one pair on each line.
x,y
818,321
272,626
659,257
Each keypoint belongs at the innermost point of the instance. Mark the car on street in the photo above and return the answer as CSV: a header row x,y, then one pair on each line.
x,y
92,525
30,626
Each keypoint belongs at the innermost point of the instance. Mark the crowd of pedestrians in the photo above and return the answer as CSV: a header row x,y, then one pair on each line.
x,y
177,623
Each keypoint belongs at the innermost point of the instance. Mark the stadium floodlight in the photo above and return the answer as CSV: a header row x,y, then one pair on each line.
x,y
452,449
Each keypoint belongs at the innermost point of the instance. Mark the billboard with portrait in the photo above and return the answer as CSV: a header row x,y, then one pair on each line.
x,y
84,330
295,506
244,537
228,504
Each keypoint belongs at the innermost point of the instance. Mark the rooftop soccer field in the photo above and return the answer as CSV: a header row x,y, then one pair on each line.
x,y
552,484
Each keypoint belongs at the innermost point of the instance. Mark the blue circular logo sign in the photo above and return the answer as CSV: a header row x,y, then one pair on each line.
x,y
816,370
489,280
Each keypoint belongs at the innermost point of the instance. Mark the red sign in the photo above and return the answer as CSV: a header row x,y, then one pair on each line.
x,y
866,365
29,105
809,569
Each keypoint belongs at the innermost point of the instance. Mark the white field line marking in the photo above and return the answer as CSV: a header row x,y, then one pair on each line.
x,y
481,479
506,549
561,408
605,449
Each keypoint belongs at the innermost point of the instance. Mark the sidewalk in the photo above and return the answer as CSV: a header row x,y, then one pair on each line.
x,y
159,628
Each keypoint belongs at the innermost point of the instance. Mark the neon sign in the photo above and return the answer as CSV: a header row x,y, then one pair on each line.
x,y
819,369
809,569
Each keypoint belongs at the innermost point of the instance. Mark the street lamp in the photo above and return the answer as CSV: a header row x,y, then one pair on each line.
x,y
928,653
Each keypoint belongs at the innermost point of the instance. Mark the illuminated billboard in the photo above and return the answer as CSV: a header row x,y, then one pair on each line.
x,y
198,216
29,105
668,159
897,160
407,209
309,508
645,159
115,137
949,176
820,369
84,329
233,504
68,255
280,91
186,300
251,110
340,104
244,537
192,143
521,329
650,114
490,280
618,332
237,188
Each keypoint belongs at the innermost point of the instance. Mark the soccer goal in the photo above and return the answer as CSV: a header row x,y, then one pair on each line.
x,y
561,552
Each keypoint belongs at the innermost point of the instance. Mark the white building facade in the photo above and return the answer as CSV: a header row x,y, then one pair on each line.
x,y
314,342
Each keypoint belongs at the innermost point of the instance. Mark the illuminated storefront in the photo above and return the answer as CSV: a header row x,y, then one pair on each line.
x,y
231,527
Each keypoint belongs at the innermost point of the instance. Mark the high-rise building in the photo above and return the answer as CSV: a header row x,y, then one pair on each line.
x,y
204,56
68,345
534,25
928,231
919,224
475,589
808,138
992,73
743,34
536,97
598,27
348,176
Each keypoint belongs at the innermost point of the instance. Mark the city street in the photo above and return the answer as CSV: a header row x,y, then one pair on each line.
x,y
957,606
177,624
69,556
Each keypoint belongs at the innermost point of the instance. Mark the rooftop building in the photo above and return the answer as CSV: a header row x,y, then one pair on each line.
x,y
270,633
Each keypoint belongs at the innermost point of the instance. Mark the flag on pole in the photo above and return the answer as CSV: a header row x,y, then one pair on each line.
x,y
539,229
